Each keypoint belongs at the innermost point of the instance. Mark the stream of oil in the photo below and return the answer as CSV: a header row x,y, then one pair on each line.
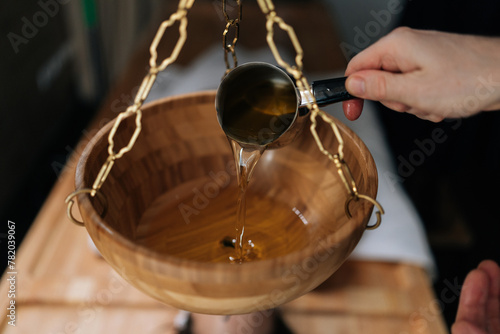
x,y
252,120
201,220
245,158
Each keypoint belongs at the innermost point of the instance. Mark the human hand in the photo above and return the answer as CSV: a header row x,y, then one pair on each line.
x,y
479,305
433,75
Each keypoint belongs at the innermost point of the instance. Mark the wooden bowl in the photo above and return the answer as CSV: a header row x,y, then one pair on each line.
x,y
180,165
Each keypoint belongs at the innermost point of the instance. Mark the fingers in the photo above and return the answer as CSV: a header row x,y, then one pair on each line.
x,y
381,86
492,270
377,73
464,327
473,299
352,109
385,87
391,89
395,52
479,306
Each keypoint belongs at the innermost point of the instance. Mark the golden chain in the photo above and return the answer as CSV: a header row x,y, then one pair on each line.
x,y
147,83
231,24
267,7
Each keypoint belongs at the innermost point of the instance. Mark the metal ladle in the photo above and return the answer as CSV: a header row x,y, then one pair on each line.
x,y
258,104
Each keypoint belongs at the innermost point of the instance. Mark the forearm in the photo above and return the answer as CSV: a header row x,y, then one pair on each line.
x,y
488,82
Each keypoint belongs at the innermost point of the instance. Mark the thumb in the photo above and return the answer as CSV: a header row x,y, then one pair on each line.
x,y
378,85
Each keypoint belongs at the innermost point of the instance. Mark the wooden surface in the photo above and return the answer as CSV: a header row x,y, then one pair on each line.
x,y
62,286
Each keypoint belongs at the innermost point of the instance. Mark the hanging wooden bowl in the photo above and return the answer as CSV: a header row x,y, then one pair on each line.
x,y
181,147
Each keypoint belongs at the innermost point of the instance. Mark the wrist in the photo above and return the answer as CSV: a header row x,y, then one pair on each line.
x,y
489,82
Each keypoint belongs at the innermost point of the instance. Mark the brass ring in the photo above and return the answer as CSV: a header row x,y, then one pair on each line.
x,y
69,201
378,213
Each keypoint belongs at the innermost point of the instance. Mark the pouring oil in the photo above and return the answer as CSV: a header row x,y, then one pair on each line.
x,y
187,223
246,158
259,114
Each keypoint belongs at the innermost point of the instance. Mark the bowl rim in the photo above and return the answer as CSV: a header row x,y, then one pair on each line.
x,y
265,265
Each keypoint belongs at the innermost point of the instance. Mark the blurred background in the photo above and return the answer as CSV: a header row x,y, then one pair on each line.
x,y
61,61
58,60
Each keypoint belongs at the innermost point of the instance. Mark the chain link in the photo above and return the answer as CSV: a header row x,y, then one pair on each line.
x,y
232,25
147,83
268,9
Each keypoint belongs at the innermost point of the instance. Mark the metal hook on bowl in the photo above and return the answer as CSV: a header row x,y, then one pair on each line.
x,y
378,213
69,202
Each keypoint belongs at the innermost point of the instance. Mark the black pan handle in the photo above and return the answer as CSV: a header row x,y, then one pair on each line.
x,y
330,91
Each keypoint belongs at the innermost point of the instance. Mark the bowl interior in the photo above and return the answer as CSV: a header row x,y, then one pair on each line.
x,y
172,198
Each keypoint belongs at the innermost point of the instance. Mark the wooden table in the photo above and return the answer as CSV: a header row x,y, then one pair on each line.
x,y
62,286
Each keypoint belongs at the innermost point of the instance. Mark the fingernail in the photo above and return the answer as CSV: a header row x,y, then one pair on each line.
x,y
356,86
